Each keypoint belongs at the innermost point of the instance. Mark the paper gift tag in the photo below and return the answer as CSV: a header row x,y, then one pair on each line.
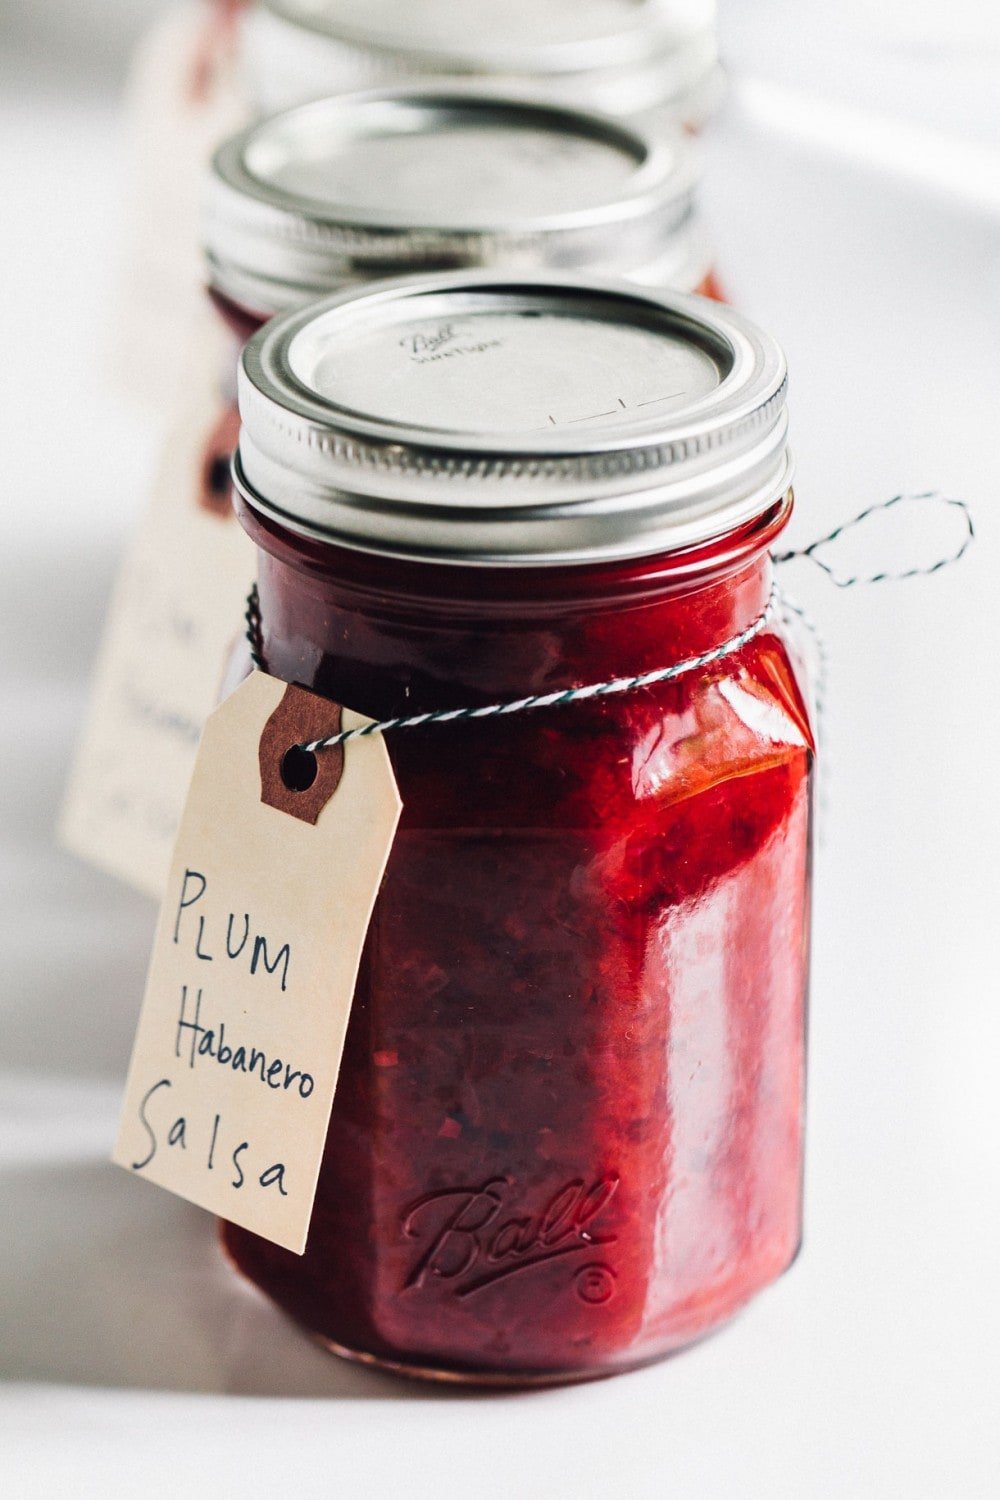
x,y
174,620
255,960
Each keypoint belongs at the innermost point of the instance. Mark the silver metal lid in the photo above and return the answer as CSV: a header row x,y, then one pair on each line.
x,y
479,418
622,56
386,182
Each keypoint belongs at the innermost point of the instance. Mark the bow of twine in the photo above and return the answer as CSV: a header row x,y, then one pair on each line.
x,y
777,605
934,497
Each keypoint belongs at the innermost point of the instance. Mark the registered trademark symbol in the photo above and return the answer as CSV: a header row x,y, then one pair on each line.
x,y
595,1284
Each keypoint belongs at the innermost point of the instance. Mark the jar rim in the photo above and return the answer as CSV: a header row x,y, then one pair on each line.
x,y
436,589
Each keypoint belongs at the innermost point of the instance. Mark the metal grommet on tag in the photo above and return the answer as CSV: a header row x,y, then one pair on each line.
x,y
292,780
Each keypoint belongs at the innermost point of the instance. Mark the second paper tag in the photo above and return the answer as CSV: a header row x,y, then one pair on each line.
x,y
174,619
255,961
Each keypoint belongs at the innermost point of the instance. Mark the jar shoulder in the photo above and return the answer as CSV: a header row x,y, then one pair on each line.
x,y
604,764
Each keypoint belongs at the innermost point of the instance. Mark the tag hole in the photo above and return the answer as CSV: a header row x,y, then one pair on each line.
x,y
219,474
298,769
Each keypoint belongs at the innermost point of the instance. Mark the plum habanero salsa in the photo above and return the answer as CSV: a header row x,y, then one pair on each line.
x,y
567,1133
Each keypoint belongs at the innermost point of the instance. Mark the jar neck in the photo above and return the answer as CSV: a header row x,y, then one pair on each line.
x,y
386,637
242,322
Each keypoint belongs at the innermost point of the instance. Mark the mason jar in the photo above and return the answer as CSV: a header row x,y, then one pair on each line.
x,y
349,189
655,59
393,181
567,1133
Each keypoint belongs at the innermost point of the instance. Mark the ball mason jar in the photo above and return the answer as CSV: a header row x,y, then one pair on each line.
x,y
393,181
567,1132
350,189
650,59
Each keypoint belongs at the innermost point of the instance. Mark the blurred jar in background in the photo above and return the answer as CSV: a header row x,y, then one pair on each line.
x,y
390,182
567,1132
632,58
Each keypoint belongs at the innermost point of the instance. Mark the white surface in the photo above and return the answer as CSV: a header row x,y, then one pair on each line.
x,y
135,1364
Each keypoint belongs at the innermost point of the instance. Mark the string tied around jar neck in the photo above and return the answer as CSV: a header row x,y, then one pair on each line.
x,y
778,605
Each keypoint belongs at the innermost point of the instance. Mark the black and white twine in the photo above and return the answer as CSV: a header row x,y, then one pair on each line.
x,y
777,606
810,553
255,631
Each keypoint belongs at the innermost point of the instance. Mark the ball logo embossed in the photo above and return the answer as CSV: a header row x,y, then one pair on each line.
x,y
473,1237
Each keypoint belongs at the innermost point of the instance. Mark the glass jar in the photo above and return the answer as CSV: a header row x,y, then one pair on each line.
x,y
397,180
650,59
567,1133
394,181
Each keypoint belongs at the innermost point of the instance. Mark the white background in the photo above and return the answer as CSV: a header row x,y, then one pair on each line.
x,y
854,193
